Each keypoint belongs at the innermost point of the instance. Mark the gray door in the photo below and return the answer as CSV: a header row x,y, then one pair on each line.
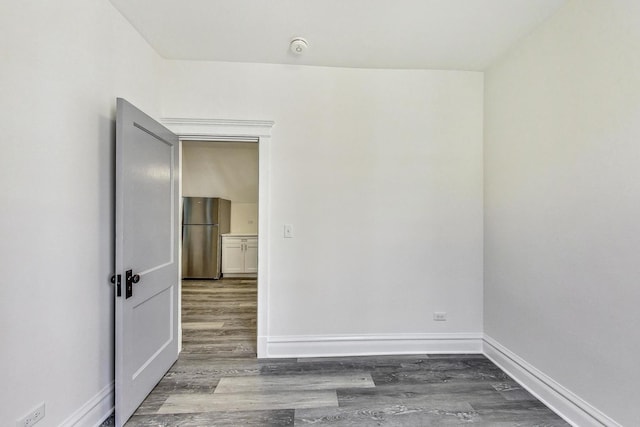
x,y
146,318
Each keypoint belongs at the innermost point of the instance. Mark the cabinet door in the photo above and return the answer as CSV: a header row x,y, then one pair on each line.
x,y
251,255
232,256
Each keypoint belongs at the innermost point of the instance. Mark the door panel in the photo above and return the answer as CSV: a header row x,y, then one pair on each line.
x,y
151,192
232,256
152,326
146,322
251,256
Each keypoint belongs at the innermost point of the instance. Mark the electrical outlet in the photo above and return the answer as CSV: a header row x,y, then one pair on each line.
x,y
32,417
440,316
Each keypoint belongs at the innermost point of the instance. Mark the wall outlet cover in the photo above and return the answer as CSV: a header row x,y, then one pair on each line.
x,y
32,417
440,316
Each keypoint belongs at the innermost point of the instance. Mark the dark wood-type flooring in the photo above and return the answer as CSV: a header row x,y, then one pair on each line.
x,y
217,381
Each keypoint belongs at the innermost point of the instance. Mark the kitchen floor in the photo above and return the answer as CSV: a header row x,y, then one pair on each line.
x,y
217,381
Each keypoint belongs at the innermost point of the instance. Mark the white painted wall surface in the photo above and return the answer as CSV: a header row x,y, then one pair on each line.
x,y
227,170
562,156
244,218
63,64
379,172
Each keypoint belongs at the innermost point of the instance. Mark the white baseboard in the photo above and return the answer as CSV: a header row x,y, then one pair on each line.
x,y
565,403
367,345
95,411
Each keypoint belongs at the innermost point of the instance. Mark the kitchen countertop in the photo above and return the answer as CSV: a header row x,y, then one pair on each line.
x,y
240,234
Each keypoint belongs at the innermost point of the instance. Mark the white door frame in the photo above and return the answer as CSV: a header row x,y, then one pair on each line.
x,y
240,130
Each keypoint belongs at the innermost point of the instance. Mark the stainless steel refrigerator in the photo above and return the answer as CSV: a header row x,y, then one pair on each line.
x,y
204,220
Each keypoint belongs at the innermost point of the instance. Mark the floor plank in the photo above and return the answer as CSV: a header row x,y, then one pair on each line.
x,y
302,382
218,419
248,401
202,325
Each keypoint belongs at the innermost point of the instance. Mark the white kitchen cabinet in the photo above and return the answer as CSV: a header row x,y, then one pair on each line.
x,y
239,255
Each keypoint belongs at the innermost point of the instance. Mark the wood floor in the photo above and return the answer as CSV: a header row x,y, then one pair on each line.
x,y
217,381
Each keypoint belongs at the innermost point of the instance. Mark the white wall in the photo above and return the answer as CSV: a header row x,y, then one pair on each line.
x,y
380,173
63,64
227,170
244,218
562,156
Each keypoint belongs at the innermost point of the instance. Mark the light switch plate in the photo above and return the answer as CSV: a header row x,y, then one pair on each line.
x,y
288,231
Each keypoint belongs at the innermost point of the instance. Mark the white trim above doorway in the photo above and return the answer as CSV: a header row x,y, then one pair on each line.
x,y
192,129
215,129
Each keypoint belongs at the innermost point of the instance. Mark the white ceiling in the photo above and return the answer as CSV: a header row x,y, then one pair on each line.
x,y
429,34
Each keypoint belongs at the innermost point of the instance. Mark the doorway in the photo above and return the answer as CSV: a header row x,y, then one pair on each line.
x,y
256,131
219,183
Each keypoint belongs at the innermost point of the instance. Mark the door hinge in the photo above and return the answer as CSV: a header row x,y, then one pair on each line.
x,y
116,279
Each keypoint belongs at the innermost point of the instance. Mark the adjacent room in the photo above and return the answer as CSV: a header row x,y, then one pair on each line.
x,y
219,247
444,196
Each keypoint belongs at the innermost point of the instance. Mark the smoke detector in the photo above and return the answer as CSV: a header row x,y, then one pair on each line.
x,y
298,45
